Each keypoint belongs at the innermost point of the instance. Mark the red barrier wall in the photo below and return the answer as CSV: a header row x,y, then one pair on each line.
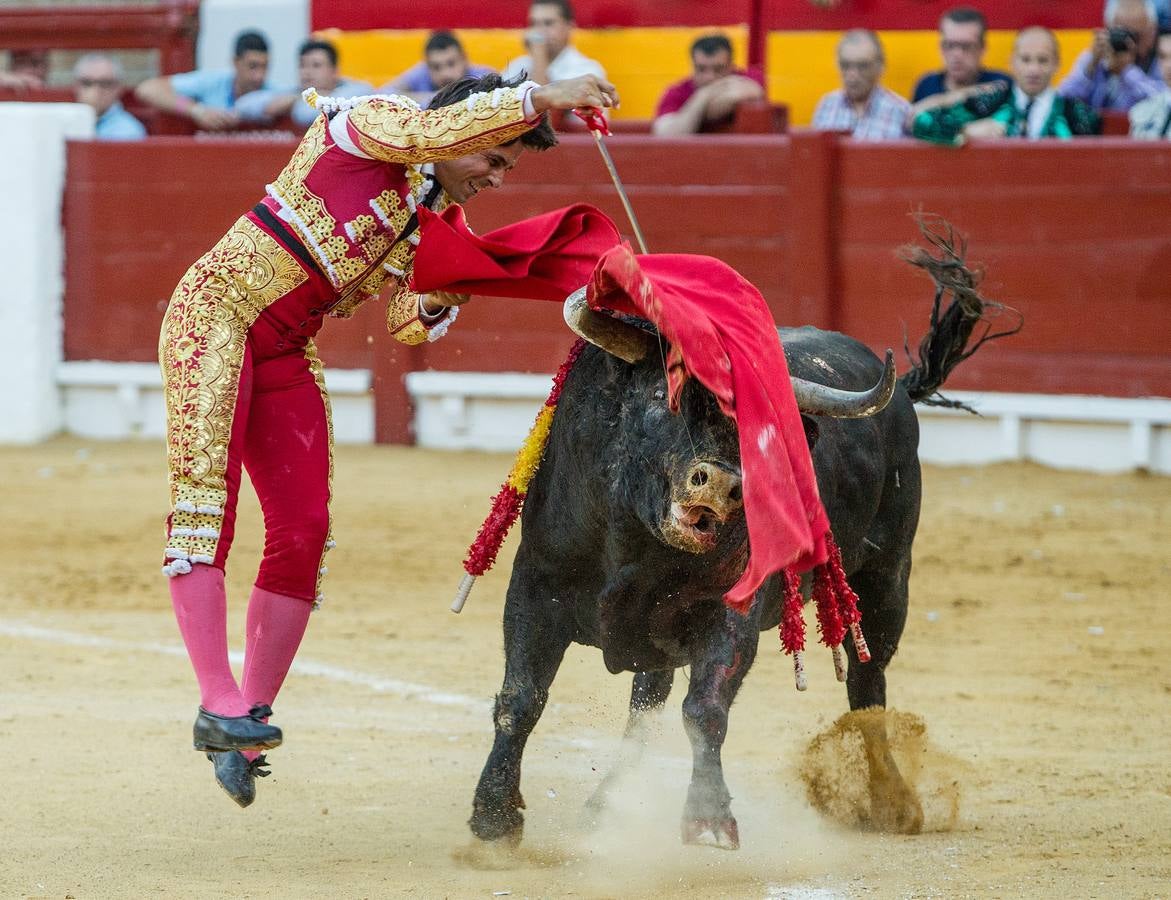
x,y
137,215
1073,235
170,26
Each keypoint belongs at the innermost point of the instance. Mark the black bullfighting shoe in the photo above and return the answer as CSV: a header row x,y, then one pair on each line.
x,y
237,776
220,734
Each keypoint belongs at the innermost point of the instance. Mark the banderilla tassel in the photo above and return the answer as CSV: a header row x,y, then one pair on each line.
x,y
461,594
859,642
799,670
839,663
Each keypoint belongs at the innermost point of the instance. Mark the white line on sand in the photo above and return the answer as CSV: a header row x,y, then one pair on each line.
x,y
407,689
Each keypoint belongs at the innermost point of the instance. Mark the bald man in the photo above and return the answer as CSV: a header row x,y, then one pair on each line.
x,y
1028,109
863,107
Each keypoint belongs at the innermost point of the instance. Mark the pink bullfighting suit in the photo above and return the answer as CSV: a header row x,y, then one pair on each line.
x,y
242,380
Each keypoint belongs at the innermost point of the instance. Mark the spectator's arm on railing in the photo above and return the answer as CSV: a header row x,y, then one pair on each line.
x,y
710,103
265,105
21,81
160,93
945,118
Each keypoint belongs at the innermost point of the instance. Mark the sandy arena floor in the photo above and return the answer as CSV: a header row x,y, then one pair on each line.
x,y
1035,654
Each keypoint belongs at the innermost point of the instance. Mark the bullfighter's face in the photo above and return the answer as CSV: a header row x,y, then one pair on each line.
x,y
465,177
681,471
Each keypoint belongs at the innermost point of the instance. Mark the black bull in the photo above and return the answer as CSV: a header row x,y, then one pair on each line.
x,y
632,531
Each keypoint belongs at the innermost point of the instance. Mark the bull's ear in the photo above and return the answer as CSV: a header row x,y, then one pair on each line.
x,y
812,431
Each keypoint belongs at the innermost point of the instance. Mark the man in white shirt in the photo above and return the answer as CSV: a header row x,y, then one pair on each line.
x,y
550,56
1150,119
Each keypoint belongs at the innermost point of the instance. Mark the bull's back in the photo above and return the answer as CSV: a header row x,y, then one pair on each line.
x,y
867,469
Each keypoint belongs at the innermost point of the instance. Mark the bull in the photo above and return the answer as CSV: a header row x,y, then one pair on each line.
x,y
633,530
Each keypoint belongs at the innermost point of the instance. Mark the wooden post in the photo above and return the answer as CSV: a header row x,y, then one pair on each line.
x,y
393,412
812,266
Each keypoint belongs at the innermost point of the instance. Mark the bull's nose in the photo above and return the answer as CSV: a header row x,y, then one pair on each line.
x,y
715,486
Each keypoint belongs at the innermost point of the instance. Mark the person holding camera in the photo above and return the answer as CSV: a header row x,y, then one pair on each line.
x,y
1107,75
550,55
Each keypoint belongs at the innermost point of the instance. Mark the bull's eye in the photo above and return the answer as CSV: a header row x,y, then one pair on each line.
x,y
659,395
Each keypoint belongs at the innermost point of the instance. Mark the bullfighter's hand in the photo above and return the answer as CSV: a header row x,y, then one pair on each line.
x,y
437,302
574,93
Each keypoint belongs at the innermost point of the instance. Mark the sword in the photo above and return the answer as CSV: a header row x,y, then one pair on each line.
x,y
596,123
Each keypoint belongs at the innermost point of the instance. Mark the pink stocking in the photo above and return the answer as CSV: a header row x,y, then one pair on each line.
x,y
201,609
276,624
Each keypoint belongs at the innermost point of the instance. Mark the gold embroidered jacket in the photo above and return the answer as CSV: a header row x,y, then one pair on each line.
x,y
356,178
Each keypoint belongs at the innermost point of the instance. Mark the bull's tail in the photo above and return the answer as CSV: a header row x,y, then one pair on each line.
x,y
950,339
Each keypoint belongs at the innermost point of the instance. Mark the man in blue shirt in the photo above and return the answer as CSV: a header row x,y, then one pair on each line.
x,y
97,82
444,62
208,97
961,41
317,68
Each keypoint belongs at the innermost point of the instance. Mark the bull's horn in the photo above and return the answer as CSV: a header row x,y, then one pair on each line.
x,y
615,337
822,400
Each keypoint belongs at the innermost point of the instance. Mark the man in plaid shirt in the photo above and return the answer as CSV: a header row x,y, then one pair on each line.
x,y
863,107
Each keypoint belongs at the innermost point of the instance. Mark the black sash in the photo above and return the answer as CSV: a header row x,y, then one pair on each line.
x,y
302,253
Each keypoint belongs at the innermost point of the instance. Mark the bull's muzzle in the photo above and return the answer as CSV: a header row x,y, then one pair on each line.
x,y
708,495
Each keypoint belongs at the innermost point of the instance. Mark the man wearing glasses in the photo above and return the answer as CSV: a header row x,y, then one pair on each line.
x,y
862,107
97,82
961,41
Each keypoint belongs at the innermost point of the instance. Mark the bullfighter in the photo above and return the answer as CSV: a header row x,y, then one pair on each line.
x,y
244,385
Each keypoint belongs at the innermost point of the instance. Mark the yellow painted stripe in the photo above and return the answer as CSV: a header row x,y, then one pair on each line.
x,y
642,62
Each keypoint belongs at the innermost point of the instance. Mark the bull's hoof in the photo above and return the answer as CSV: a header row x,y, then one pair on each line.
x,y
721,833
894,808
502,826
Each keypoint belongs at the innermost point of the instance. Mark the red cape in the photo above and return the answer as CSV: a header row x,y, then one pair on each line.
x,y
720,331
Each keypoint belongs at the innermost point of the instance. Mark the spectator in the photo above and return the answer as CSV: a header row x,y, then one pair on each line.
x,y
708,99
317,69
208,97
1028,109
28,68
97,82
1106,76
444,62
550,56
863,107
1150,119
961,41
1160,12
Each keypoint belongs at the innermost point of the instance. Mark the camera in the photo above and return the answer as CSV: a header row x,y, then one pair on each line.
x,y
1122,40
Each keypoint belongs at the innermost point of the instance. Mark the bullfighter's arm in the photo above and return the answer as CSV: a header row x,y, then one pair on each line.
x,y
407,317
396,130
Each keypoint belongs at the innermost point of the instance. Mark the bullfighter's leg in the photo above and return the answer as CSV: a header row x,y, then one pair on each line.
x,y
537,632
717,670
882,595
648,693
